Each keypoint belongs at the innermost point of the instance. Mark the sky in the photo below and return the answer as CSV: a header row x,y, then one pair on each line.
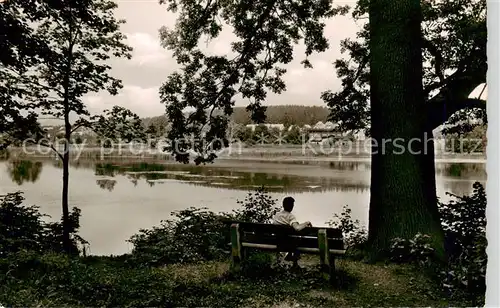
x,y
151,64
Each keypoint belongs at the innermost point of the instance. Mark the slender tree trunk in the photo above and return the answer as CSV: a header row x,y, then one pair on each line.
x,y
65,204
403,191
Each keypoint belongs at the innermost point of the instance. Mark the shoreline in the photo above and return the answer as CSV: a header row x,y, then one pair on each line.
x,y
285,155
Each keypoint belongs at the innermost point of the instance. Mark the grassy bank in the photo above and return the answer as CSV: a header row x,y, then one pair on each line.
x,y
184,262
55,280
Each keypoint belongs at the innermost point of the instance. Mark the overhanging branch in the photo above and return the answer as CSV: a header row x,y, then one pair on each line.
x,y
441,110
454,95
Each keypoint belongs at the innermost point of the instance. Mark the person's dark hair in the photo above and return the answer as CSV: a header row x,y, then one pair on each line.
x,y
288,204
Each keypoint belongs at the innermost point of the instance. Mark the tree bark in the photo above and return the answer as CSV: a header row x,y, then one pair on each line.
x,y
403,192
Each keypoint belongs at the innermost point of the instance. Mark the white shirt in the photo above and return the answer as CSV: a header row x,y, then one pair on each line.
x,y
284,218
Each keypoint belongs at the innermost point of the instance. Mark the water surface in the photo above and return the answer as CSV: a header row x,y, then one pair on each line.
x,y
117,198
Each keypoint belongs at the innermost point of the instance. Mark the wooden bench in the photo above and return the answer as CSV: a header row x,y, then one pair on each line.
x,y
327,242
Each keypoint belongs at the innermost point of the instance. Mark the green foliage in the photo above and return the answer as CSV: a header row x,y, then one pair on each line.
x,y
76,39
285,114
21,171
262,134
82,36
193,235
416,250
21,49
24,228
197,234
56,280
466,138
294,136
355,235
244,134
464,224
257,264
118,124
454,65
265,37
78,139
257,207
53,280
35,276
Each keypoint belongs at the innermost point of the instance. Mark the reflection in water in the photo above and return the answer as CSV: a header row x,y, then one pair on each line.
x,y
105,170
106,184
21,171
343,176
105,191
227,178
349,165
466,170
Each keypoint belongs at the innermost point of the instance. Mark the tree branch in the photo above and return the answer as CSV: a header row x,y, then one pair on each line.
x,y
438,58
441,110
51,146
77,125
454,93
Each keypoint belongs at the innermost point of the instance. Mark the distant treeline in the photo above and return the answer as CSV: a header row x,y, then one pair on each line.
x,y
283,114
286,114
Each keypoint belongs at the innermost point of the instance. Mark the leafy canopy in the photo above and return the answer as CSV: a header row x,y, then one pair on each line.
x,y
60,56
266,32
454,64
20,49
454,55
82,35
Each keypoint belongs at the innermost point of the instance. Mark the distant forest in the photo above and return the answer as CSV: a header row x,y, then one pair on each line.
x,y
283,114
286,114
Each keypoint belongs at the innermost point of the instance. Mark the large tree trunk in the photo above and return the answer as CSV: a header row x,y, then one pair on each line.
x,y
403,191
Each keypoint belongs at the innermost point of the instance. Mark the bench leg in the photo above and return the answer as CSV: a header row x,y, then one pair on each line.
x,y
236,251
324,253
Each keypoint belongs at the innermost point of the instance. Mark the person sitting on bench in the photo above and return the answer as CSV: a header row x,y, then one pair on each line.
x,y
285,217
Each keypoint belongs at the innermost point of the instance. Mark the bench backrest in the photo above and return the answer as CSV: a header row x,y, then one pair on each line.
x,y
286,236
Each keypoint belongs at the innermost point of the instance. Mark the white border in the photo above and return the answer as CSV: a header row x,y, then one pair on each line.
x,y
492,152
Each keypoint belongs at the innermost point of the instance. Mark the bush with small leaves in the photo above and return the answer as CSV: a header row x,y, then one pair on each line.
x,y
24,228
416,250
196,234
464,224
355,235
257,207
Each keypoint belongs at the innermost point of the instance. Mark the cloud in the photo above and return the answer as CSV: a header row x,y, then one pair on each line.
x,y
144,101
151,64
147,50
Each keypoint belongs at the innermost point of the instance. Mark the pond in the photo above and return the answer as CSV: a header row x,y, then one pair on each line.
x,y
117,198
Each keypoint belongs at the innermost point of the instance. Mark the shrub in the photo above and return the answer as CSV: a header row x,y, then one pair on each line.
x,y
416,250
464,224
197,234
257,207
355,235
193,235
23,228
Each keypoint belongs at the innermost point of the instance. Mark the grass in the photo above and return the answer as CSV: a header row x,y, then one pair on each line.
x,y
54,280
